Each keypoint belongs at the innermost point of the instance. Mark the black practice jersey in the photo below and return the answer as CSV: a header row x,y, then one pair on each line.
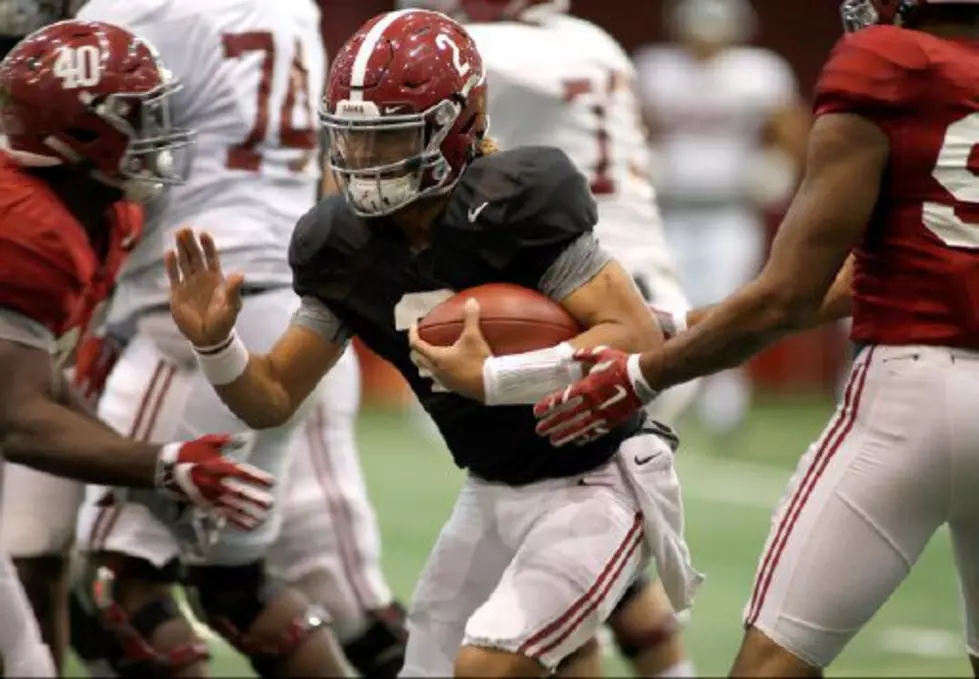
x,y
513,217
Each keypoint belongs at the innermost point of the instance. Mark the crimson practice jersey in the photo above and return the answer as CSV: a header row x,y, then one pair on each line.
x,y
917,265
50,272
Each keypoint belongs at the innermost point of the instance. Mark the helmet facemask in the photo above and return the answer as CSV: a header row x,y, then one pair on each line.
x,y
144,118
859,14
384,163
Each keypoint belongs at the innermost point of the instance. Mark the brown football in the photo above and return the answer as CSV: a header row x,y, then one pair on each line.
x,y
513,319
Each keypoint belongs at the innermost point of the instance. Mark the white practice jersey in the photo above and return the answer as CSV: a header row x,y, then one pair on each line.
x,y
709,117
567,83
252,74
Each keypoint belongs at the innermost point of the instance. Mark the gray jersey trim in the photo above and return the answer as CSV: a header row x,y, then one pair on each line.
x,y
579,263
18,328
316,316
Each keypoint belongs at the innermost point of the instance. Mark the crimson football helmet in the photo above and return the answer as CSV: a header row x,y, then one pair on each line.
x,y
94,96
405,110
490,10
859,14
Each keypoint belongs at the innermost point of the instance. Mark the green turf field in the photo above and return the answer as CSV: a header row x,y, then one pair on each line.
x,y
729,496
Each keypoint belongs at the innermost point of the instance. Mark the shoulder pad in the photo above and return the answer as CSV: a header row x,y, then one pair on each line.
x,y
323,242
875,71
532,194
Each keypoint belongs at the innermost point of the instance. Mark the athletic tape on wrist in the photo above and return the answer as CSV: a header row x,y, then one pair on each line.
x,y
224,362
524,379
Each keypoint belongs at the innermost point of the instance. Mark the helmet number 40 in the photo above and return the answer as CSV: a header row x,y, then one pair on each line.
x,y
78,67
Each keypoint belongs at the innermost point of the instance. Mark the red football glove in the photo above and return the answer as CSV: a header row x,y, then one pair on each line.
x,y
200,473
606,397
94,360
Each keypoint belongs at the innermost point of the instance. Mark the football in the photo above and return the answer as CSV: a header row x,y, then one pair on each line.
x,y
513,319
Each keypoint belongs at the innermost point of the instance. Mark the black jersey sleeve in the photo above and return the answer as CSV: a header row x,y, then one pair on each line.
x,y
525,207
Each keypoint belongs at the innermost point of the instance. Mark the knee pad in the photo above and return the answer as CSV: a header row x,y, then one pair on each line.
x,y
632,642
101,630
230,600
380,651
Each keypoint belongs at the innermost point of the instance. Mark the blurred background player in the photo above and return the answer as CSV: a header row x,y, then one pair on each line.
x,y
84,111
569,84
252,72
728,132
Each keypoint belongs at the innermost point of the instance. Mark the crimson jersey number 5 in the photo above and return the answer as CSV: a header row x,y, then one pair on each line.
x,y
245,156
959,175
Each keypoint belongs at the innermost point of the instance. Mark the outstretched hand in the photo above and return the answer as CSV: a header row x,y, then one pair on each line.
x,y
204,303
459,367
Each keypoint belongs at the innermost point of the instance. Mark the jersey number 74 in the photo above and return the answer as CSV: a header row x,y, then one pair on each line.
x,y
245,156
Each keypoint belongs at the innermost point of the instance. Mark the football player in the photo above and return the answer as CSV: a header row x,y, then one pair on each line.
x,y
84,112
890,195
571,85
427,209
37,541
729,132
251,72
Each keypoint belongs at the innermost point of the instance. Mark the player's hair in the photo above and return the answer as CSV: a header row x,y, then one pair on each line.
x,y
487,146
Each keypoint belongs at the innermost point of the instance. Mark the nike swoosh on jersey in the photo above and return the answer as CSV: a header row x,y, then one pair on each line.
x,y
475,211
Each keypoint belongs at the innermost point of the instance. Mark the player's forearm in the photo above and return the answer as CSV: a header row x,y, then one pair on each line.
x,y
630,337
257,397
52,438
68,396
732,332
835,307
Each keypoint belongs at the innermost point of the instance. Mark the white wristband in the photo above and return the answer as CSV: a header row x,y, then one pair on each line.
x,y
639,384
524,379
225,362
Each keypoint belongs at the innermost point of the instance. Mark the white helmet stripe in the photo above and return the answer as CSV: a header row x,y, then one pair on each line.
x,y
359,70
